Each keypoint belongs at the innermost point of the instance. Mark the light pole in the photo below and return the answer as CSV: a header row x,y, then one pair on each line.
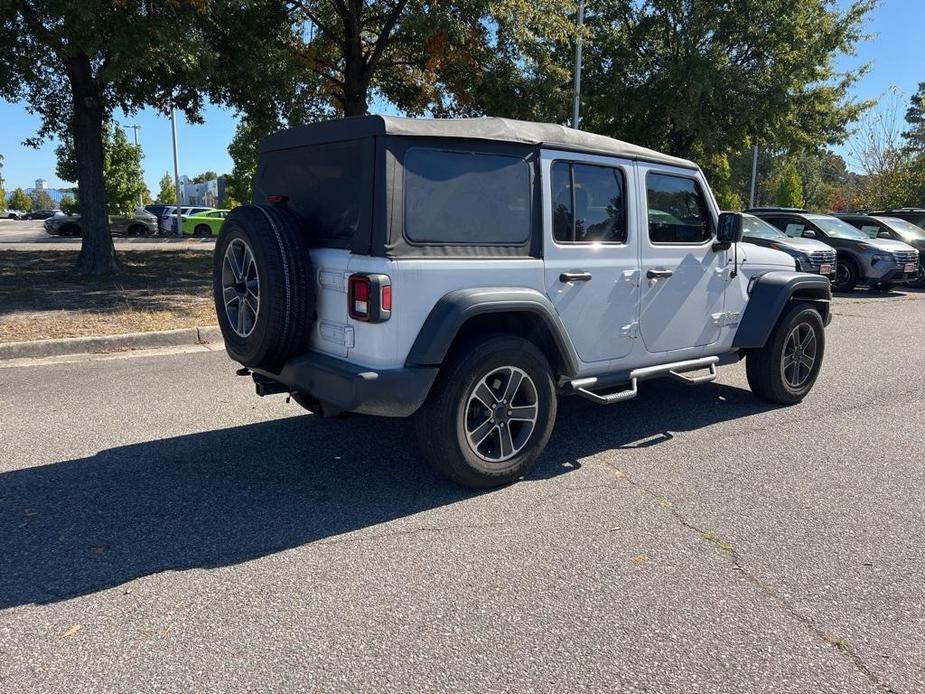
x,y
176,164
576,97
751,197
135,128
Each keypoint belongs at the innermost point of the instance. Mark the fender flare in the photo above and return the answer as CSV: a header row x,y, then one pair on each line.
x,y
768,299
455,308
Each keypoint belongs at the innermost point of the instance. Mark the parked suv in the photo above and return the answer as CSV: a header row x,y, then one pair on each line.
x,y
808,255
468,272
915,215
861,259
142,224
896,228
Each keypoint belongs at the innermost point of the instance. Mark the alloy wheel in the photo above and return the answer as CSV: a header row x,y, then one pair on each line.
x,y
240,287
501,414
799,356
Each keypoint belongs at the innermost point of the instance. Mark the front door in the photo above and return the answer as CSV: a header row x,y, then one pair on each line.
x,y
590,247
683,281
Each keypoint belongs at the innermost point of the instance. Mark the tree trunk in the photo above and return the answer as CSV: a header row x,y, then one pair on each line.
x,y
97,254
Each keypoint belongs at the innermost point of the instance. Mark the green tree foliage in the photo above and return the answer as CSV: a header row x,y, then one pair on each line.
x,y
205,176
789,186
122,171
19,200
68,204
438,57
713,76
239,184
41,200
167,191
74,63
915,117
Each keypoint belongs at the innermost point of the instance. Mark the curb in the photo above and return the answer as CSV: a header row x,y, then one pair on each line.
x,y
110,343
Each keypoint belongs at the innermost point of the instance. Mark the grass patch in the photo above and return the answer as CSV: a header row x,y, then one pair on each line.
x,y
41,297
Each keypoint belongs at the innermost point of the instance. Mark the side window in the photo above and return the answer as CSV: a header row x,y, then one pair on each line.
x,y
456,197
588,203
871,230
794,228
678,212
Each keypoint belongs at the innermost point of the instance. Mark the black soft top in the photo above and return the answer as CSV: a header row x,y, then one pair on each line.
x,y
495,129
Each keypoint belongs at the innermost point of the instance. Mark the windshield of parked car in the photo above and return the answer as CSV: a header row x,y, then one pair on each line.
x,y
836,228
758,228
907,230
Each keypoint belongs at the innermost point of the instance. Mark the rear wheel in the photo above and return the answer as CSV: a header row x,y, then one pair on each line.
x,y
786,368
202,230
264,296
137,230
490,413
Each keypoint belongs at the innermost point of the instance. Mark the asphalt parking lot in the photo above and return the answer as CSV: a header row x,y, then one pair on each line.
x,y
30,235
162,529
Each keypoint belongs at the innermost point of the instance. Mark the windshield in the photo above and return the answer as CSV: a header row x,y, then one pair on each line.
x,y
836,228
758,228
907,230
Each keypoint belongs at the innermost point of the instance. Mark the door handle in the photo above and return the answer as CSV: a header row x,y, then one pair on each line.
x,y
659,274
575,277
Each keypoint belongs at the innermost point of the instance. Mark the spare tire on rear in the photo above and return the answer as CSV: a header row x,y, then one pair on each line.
x,y
262,283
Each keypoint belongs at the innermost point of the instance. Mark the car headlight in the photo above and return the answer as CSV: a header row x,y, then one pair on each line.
x,y
883,258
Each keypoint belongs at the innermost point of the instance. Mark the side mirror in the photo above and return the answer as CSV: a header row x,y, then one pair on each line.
x,y
729,229
884,235
809,234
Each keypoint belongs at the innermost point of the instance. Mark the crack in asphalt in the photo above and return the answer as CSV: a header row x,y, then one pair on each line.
x,y
841,646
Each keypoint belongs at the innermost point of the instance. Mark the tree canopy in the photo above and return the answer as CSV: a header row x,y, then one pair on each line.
x,y
19,200
167,191
74,63
41,200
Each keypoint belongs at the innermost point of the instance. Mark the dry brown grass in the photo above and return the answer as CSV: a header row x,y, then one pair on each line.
x,y
41,298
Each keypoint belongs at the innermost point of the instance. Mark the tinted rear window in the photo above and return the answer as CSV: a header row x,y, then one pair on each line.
x,y
454,197
329,186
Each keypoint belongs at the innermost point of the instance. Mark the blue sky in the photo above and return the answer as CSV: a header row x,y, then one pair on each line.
x,y
895,53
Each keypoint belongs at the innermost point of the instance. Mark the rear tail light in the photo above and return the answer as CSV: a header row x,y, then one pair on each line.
x,y
369,297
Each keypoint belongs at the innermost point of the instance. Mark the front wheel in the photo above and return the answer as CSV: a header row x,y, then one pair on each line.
x,y
490,413
846,276
786,368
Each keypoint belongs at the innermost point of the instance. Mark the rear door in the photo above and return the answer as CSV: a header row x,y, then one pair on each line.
x,y
590,249
683,279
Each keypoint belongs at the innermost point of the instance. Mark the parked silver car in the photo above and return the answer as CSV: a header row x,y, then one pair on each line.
x,y
142,224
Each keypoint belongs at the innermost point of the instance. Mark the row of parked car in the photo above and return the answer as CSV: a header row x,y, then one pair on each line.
x,y
882,248
147,221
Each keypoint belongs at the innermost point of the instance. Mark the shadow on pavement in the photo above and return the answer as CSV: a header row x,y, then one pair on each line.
x,y
218,498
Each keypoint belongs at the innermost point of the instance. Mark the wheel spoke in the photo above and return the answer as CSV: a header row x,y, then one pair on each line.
x,y
788,361
229,295
808,339
485,396
482,431
807,361
513,385
507,443
524,413
241,329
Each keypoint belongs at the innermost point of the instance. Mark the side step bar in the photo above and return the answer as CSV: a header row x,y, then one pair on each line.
x,y
675,370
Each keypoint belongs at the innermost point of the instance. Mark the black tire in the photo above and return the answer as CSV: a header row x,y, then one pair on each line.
x,y
441,423
137,230
202,230
70,230
846,275
919,280
764,367
280,326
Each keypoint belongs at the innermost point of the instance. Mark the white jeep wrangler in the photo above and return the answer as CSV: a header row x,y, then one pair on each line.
x,y
470,271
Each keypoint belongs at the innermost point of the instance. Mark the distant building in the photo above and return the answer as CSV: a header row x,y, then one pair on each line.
x,y
41,184
206,194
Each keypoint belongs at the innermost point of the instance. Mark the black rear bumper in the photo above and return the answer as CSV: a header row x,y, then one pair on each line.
x,y
341,386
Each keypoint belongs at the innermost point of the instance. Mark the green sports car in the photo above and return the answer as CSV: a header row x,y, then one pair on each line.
x,y
205,223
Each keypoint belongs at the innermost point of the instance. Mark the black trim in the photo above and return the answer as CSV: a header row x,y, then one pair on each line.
x,y
455,308
345,387
768,298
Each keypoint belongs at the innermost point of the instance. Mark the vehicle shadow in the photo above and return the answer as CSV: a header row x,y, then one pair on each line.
x,y
223,497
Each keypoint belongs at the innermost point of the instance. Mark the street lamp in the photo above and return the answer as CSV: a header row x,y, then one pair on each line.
x,y
576,97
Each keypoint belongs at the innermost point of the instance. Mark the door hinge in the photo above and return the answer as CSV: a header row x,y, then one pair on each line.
x,y
630,331
726,319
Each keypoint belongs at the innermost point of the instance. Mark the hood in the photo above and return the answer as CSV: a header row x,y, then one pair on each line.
x,y
759,255
889,245
805,245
